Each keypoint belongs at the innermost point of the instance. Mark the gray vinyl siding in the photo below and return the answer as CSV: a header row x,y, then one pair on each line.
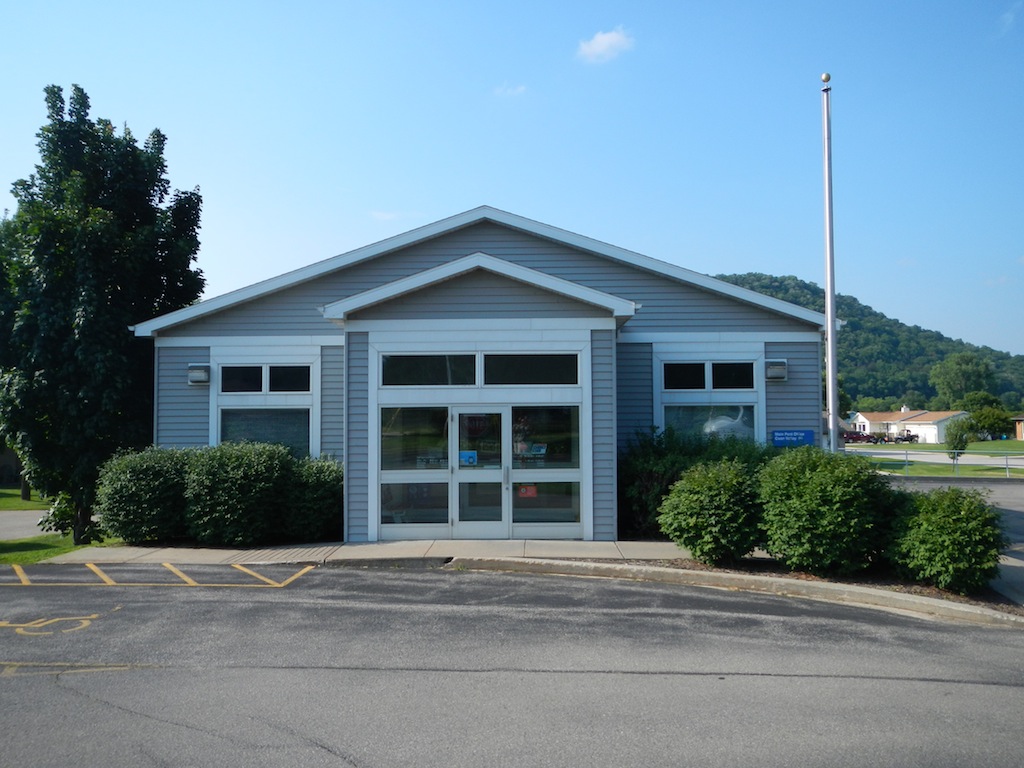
x,y
182,411
635,390
604,448
357,478
479,294
332,402
795,403
667,305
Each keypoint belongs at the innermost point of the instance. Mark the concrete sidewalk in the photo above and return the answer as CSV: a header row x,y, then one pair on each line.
x,y
571,558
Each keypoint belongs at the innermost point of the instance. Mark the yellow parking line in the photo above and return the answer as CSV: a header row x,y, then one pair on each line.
x,y
243,569
305,570
22,576
187,579
103,577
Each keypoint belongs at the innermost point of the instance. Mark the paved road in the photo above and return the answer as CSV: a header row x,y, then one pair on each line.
x,y
1015,461
350,667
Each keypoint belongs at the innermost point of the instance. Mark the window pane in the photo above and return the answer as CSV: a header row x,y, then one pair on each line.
x,y
480,502
720,420
241,378
289,378
546,437
732,375
287,426
530,369
413,503
546,503
479,440
684,376
428,370
414,438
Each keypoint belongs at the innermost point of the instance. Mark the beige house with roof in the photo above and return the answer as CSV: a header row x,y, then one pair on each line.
x,y
929,426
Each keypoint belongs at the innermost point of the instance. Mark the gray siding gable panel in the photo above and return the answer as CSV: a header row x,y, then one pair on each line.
x,y
479,294
667,304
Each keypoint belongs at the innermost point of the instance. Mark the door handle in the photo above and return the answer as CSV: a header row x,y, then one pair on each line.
x,y
506,477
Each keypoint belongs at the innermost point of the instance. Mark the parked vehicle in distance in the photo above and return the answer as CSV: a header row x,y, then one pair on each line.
x,y
905,436
859,437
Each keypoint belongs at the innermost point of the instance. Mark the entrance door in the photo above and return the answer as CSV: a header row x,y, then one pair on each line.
x,y
481,464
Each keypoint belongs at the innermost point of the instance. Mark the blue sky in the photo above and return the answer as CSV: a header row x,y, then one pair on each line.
x,y
686,131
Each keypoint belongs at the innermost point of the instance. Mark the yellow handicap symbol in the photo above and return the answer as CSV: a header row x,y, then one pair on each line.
x,y
46,626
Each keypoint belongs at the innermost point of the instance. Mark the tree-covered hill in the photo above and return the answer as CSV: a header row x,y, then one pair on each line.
x,y
883,358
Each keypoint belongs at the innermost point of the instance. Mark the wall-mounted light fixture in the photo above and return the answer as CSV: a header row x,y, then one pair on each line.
x,y
776,370
198,373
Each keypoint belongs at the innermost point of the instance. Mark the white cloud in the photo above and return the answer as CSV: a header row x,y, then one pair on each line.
x,y
385,215
510,90
604,46
1009,17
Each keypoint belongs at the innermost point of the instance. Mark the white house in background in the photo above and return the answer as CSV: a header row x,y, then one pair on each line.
x,y
478,375
929,426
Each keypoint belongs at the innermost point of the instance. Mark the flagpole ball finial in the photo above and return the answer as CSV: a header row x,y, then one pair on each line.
x,y
826,77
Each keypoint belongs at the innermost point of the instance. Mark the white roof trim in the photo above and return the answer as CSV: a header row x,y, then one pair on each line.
x,y
483,213
619,308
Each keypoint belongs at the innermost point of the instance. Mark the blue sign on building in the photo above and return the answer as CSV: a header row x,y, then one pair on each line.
x,y
787,437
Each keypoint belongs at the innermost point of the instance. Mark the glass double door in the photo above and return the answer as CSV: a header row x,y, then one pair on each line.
x,y
481,491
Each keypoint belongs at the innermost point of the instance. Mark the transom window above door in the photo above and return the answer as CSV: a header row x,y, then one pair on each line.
x,y
492,369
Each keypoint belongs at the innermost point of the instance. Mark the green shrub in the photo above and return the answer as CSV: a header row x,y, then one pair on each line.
x,y
62,516
713,511
653,461
237,493
140,497
824,512
315,511
950,537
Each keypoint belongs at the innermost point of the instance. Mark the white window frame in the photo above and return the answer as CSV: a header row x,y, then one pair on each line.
x,y
444,340
704,352
266,355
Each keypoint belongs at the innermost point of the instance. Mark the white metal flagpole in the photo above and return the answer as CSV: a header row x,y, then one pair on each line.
x,y
831,368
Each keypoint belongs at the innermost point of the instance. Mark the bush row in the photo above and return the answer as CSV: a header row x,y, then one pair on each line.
x,y
831,513
654,460
234,494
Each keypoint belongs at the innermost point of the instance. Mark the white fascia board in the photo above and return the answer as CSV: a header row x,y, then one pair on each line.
x,y
618,307
483,213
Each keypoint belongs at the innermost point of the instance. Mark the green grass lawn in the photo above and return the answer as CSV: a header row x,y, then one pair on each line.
x,y
35,549
10,498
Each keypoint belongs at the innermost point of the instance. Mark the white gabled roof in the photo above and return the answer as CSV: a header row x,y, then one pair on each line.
x,y
619,308
459,221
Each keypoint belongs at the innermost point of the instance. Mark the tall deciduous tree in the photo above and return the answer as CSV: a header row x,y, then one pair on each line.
x,y
98,242
961,373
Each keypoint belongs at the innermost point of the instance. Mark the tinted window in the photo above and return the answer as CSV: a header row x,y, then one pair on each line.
x,y
289,378
530,369
684,376
428,370
241,378
732,375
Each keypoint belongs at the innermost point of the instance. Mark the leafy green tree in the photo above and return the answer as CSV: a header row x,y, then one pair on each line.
x,y
974,401
960,374
993,421
98,242
959,434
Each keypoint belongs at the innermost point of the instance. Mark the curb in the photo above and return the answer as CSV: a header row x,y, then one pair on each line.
x,y
838,593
